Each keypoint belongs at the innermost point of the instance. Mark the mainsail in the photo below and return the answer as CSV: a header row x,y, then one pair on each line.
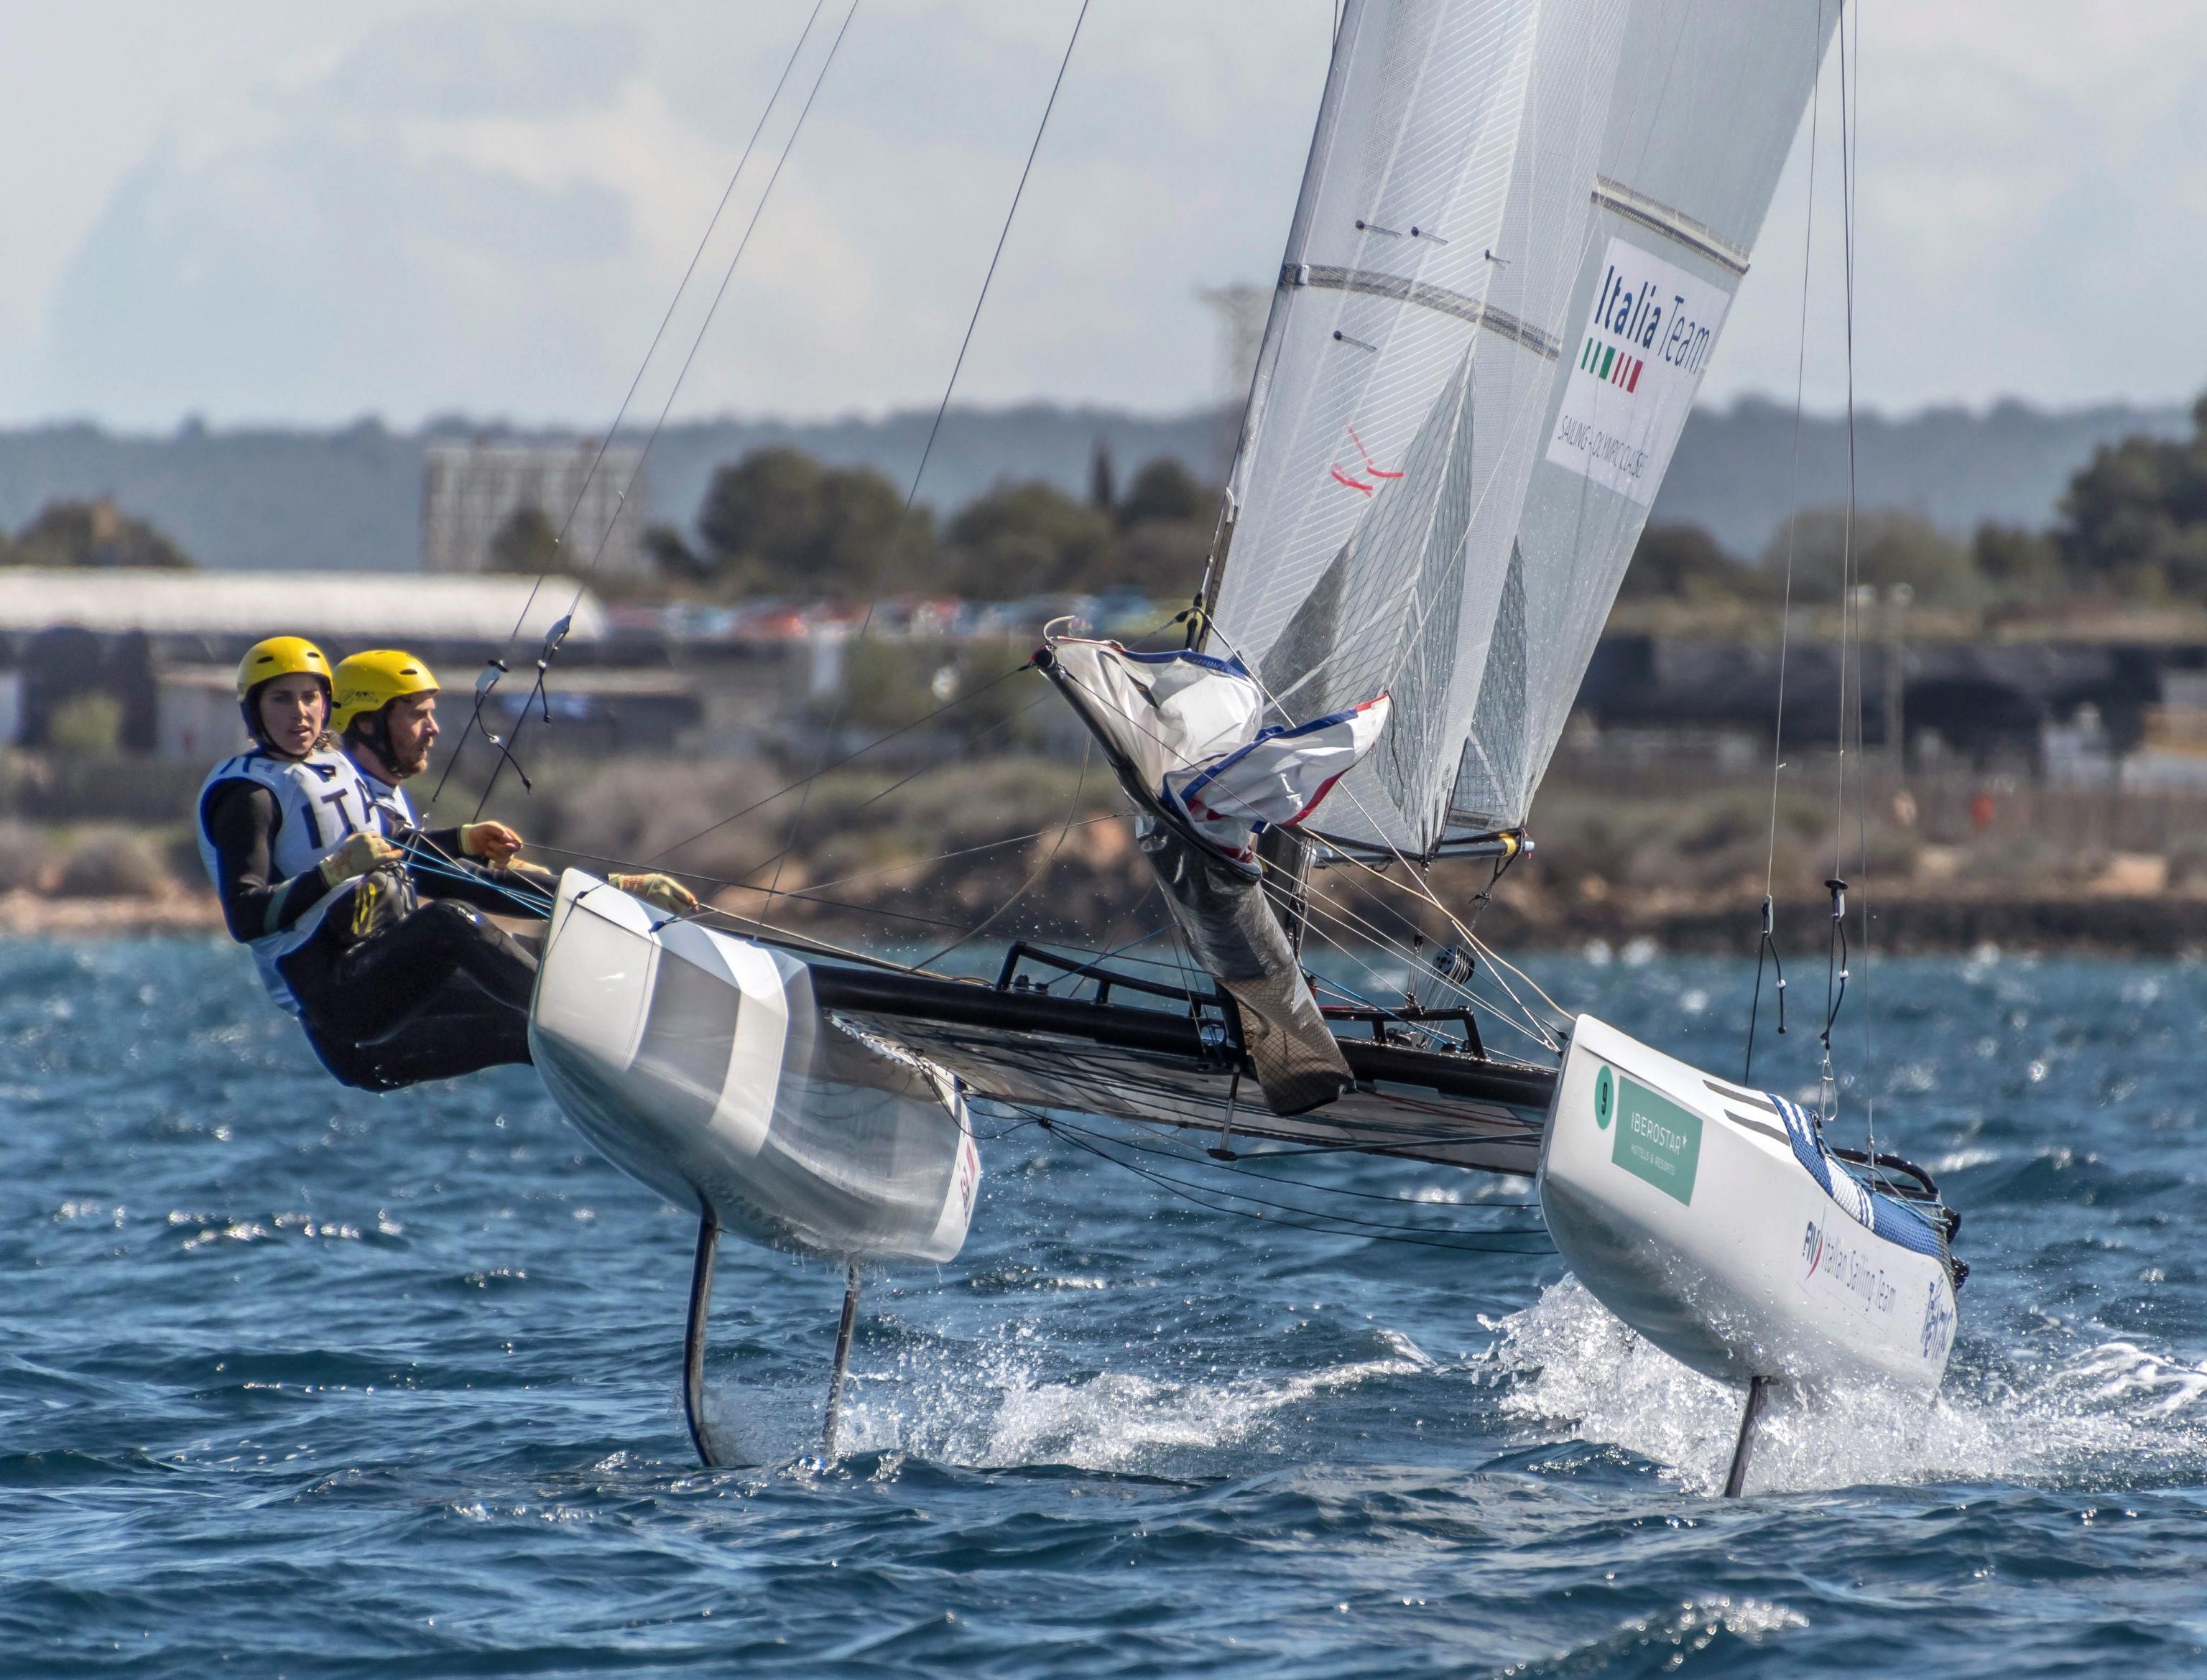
x,y
1521,226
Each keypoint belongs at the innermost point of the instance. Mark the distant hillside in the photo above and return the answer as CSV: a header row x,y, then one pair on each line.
x,y
1734,470
351,499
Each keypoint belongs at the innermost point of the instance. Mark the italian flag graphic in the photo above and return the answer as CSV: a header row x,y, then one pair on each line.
x,y
1611,365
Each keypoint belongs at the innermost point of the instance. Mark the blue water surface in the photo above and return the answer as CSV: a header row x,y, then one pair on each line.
x,y
299,1381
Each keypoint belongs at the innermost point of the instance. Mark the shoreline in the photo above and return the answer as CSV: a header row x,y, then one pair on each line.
x,y
2168,926
2165,925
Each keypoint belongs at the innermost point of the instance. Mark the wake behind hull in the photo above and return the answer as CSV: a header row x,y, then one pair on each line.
x,y
1683,1205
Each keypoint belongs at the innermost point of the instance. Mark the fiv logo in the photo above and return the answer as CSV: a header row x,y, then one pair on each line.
x,y
1812,1249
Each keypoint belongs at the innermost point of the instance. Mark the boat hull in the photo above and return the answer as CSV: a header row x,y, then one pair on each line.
x,y
700,1064
1684,1206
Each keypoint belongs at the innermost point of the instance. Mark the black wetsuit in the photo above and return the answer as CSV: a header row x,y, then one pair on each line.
x,y
391,990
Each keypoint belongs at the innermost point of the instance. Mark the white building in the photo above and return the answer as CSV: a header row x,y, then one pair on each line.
x,y
351,609
471,490
189,628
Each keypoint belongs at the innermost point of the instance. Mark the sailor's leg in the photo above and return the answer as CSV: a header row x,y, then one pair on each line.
x,y
1743,1449
693,1343
842,1358
457,1028
383,979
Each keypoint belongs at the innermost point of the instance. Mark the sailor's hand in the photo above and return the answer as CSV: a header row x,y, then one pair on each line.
x,y
493,842
356,857
662,890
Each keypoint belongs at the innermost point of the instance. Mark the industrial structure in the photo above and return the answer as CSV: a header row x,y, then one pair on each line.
x,y
472,492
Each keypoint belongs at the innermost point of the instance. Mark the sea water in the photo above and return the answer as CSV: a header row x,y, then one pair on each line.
x,y
301,1381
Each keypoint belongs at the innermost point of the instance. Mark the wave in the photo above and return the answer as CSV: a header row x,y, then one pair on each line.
x,y
2111,1415
989,1408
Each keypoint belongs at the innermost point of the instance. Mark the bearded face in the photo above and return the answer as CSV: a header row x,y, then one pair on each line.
x,y
409,731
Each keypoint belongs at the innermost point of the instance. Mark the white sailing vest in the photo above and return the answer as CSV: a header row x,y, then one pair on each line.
x,y
394,812
320,800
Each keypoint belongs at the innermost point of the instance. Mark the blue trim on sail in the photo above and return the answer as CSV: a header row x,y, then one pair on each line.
x,y
1224,667
1894,1220
1276,732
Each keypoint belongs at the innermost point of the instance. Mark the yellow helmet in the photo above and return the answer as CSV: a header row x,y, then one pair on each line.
x,y
279,656
370,681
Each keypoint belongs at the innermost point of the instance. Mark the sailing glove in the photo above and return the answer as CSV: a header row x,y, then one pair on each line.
x,y
357,855
662,890
493,842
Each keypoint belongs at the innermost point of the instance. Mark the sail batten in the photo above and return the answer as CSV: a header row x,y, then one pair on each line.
x,y
1424,297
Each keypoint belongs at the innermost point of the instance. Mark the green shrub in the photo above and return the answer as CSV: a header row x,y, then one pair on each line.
x,y
111,864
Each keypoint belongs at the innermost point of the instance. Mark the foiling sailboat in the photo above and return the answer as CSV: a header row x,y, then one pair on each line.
x,y
1520,230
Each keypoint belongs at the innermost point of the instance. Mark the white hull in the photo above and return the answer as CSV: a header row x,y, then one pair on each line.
x,y
1682,1204
698,1063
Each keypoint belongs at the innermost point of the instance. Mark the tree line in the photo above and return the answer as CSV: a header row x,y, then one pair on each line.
x,y
780,522
2130,528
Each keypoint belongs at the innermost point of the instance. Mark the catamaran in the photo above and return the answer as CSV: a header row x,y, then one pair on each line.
x,y
1520,230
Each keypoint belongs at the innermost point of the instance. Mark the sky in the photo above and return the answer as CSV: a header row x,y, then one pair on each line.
x,y
304,213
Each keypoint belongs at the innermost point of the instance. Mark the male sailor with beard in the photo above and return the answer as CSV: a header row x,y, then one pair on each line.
x,y
420,983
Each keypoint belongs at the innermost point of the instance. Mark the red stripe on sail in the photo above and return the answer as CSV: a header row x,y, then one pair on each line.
x,y
1633,383
1370,465
1341,477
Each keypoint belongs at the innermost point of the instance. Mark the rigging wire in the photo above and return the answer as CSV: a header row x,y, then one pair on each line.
x,y
957,366
805,780
1836,959
628,397
1768,945
1354,924
1423,891
1079,787
1236,1169
558,632
1850,103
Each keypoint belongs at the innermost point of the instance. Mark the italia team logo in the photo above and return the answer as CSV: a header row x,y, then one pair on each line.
x,y
1649,332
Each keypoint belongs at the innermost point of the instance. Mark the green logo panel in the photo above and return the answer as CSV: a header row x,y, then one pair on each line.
x,y
1656,1139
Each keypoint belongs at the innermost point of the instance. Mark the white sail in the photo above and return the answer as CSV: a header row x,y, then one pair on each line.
x,y
1401,519
1707,97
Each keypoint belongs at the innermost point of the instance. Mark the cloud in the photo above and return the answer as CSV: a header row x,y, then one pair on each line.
x,y
497,61
487,208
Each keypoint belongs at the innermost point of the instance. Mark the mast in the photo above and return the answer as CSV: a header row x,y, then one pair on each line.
x,y
1268,349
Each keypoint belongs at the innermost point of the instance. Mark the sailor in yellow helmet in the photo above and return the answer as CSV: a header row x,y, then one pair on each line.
x,y
284,828
386,717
